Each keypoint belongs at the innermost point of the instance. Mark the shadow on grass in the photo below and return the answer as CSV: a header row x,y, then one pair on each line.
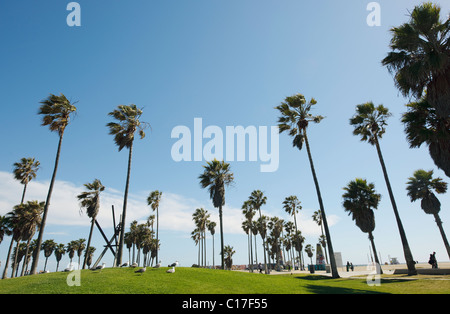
x,y
323,288
313,277
338,290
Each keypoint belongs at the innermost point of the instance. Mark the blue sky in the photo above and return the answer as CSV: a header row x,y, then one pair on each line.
x,y
229,63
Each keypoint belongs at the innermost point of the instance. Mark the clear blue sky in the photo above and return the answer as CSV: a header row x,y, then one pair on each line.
x,y
229,63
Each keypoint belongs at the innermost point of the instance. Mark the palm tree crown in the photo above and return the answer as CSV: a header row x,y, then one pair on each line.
x,y
291,205
56,111
25,170
90,199
423,125
295,117
215,177
370,122
359,201
128,123
421,185
420,57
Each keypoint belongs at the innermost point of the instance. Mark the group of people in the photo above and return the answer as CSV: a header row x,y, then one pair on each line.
x,y
349,266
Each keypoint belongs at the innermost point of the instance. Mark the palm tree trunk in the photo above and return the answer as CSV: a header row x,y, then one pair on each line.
x,y
214,266
248,248
157,229
15,266
334,271
221,237
406,250
264,245
377,261
198,254
26,256
204,243
125,198
251,249
256,252
23,193
444,237
89,242
47,204
8,258
325,249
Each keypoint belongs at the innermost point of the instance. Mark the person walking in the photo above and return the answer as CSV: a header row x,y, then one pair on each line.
x,y
433,261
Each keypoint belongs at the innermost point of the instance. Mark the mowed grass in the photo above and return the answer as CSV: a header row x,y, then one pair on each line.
x,y
205,281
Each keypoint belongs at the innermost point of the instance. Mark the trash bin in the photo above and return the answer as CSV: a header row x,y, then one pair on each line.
x,y
311,269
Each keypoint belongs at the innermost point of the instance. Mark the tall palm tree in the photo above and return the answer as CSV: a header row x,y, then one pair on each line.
x,y
195,235
276,227
257,199
246,227
255,233
123,131
421,186
25,171
48,246
310,251
291,205
420,57
249,213
359,201
133,237
153,201
90,254
423,125
80,246
60,250
211,225
200,217
71,247
289,227
370,123
217,175
228,252
295,118
90,200
317,217
56,112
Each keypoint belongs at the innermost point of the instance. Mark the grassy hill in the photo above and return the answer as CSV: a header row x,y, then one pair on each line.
x,y
206,281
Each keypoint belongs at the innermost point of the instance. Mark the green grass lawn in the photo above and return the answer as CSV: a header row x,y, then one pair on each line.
x,y
206,281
